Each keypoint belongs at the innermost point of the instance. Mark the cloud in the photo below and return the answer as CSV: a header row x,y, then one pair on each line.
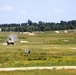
x,y
6,8
23,12
57,11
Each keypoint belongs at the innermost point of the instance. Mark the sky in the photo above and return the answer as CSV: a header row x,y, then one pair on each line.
x,y
20,11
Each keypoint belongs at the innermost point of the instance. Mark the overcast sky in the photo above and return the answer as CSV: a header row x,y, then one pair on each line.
x,y
19,11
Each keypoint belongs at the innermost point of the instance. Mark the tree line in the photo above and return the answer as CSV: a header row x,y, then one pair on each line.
x,y
30,26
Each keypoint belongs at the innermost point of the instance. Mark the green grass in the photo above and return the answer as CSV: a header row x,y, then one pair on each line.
x,y
40,72
47,49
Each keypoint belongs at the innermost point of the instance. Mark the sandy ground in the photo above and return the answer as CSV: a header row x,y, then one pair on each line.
x,y
24,41
28,33
4,43
39,68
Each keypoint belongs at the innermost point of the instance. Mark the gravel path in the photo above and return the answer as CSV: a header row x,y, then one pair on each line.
x,y
39,68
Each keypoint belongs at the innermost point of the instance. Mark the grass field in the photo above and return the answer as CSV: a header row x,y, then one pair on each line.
x,y
40,72
46,49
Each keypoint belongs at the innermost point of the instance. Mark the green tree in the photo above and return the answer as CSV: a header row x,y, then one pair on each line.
x,y
29,22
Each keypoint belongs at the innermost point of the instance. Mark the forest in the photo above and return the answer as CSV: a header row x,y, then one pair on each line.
x,y
30,26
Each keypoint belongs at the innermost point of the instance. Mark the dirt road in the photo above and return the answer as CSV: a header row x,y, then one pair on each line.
x,y
39,68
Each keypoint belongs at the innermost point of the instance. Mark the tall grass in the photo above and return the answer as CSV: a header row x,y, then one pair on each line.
x,y
46,49
40,72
